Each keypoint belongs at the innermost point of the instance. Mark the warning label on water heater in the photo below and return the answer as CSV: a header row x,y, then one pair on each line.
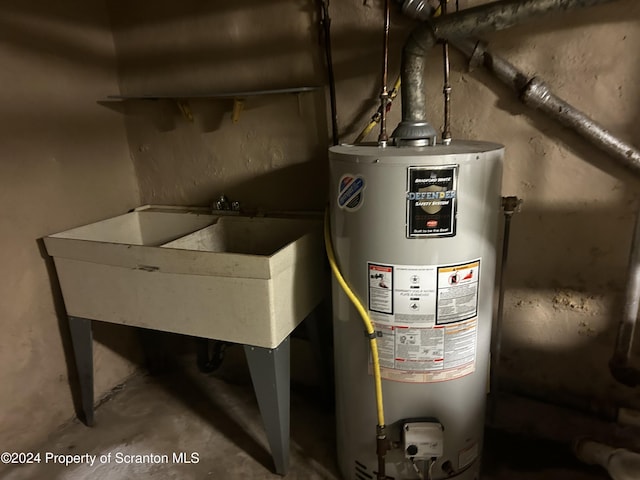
x,y
381,288
426,319
457,292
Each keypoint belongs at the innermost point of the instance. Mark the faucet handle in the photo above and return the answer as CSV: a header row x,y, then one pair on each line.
x,y
224,204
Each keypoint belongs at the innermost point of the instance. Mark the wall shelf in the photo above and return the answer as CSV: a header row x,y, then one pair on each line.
x,y
237,97
213,95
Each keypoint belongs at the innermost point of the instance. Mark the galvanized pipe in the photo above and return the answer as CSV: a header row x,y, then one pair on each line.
x,y
620,361
536,94
414,128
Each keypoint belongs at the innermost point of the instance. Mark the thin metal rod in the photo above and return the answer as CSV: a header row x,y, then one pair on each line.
x,y
385,49
500,315
325,21
383,138
536,94
446,131
509,204
632,301
624,342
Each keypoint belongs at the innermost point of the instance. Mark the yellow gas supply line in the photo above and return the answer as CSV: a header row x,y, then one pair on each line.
x,y
382,444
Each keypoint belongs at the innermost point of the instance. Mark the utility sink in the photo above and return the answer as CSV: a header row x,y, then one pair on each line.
x,y
247,280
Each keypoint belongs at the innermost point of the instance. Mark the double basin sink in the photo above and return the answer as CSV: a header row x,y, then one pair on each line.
x,y
248,280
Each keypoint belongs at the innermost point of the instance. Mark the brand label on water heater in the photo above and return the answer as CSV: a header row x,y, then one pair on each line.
x,y
350,191
431,201
426,318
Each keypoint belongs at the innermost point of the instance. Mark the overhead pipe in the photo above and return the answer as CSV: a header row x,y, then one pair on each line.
x,y
414,129
536,94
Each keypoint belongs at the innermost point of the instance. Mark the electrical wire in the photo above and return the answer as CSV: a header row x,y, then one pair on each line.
x,y
375,360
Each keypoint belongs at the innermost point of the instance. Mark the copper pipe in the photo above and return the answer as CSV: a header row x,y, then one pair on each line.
x,y
446,131
383,138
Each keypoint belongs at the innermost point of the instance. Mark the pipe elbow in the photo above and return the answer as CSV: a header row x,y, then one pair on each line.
x,y
421,40
414,128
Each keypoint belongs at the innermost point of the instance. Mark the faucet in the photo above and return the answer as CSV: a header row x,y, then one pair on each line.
x,y
223,204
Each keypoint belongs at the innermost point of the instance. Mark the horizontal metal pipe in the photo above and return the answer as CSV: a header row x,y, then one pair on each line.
x,y
501,15
536,94
484,18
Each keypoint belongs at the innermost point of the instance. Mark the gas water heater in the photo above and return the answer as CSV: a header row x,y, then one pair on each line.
x,y
414,231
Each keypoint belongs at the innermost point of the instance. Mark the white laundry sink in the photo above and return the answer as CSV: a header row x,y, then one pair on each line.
x,y
248,280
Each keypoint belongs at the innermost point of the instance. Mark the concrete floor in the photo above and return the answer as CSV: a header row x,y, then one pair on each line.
x,y
216,417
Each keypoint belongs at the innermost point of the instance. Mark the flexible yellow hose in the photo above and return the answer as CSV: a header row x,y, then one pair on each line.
x,y
363,314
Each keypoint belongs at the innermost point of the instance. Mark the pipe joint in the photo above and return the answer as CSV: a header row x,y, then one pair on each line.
x,y
511,205
417,9
382,447
472,21
476,57
535,92
421,40
414,134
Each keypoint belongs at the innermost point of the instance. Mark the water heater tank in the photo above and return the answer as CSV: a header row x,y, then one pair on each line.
x,y
414,231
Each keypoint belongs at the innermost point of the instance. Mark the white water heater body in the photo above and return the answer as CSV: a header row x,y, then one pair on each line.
x,y
414,231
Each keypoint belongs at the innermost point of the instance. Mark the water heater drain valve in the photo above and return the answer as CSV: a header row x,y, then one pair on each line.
x,y
423,440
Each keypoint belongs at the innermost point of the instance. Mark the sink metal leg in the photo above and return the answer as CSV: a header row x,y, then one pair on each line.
x,y
82,340
270,374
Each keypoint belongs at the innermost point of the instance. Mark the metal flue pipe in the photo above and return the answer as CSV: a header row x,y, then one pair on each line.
x,y
414,128
536,94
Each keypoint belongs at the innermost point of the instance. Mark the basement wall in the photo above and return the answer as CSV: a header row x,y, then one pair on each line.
x,y
64,162
570,243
